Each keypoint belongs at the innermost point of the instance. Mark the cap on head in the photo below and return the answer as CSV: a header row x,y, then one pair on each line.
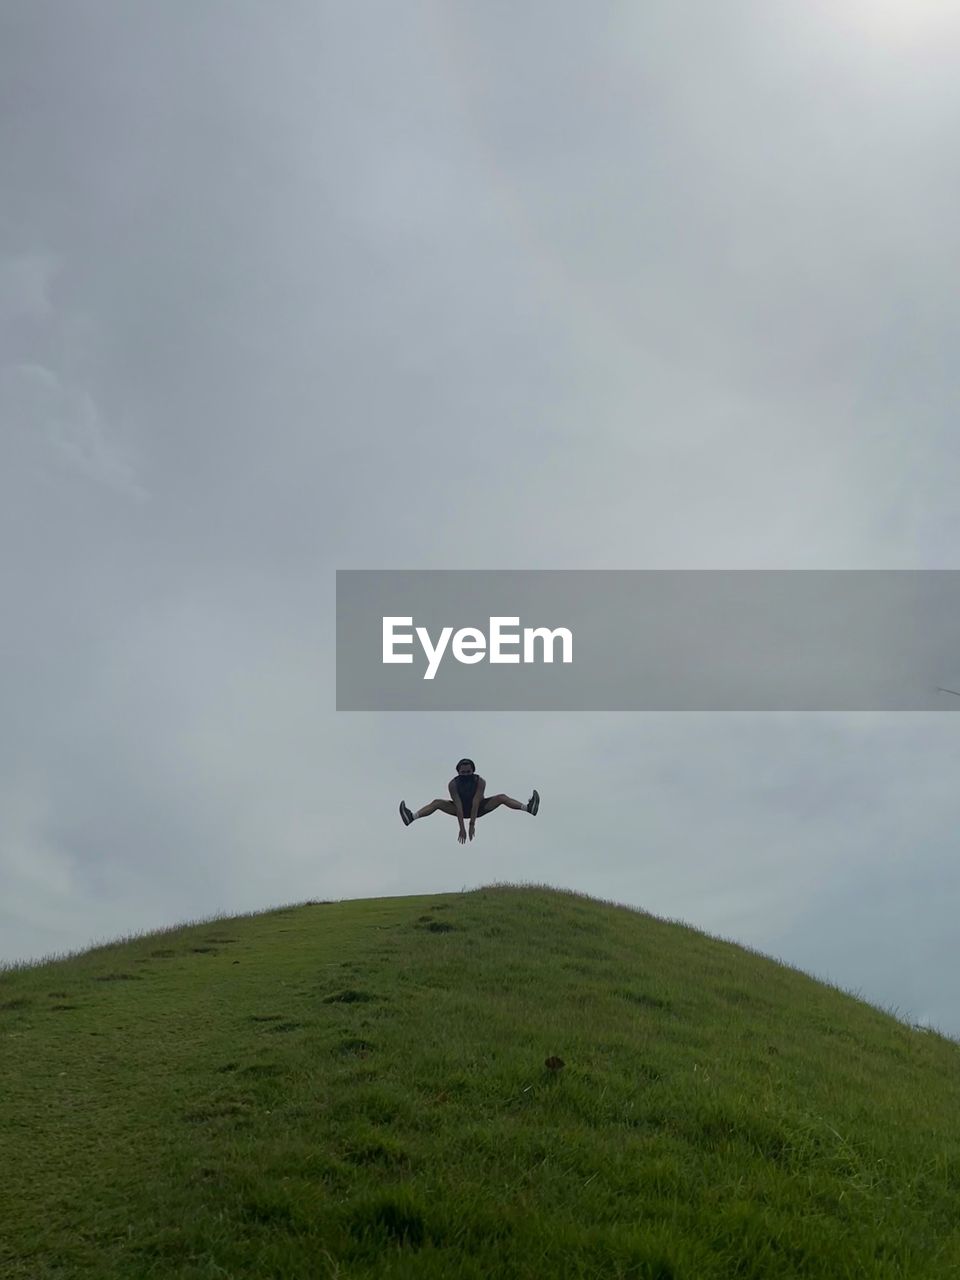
x,y
466,761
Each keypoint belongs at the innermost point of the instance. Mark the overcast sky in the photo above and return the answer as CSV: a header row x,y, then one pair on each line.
x,y
295,287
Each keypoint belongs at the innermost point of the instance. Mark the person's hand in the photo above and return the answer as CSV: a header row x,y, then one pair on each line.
x,y
462,837
473,827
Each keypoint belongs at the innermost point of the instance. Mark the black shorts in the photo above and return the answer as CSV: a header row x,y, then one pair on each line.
x,y
484,808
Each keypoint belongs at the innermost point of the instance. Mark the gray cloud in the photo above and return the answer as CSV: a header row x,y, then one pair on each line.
x,y
66,424
649,287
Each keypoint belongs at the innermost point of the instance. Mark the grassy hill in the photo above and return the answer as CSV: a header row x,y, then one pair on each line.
x,y
359,1089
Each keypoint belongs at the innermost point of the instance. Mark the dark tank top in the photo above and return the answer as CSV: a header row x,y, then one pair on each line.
x,y
467,787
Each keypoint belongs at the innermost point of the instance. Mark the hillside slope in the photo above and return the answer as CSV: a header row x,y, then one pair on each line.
x,y
361,1089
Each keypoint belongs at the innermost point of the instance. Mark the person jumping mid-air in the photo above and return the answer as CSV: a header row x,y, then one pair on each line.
x,y
467,798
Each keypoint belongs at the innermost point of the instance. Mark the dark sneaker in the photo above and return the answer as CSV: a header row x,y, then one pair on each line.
x,y
406,814
533,804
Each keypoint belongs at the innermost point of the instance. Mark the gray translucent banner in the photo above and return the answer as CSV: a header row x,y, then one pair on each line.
x,y
649,640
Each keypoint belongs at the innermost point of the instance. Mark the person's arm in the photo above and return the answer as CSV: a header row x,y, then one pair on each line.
x,y
475,807
458,803
477,798
458,806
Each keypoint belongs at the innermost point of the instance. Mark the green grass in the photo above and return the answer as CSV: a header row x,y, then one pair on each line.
x,y
358,1089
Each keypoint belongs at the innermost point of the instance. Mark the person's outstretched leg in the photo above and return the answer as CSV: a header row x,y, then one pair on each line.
x,y
494,802
445,806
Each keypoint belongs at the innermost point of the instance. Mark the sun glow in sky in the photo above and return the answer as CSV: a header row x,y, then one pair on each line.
x,y
898,22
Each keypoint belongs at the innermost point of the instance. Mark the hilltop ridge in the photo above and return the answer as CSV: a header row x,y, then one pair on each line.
x,y
365,1088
